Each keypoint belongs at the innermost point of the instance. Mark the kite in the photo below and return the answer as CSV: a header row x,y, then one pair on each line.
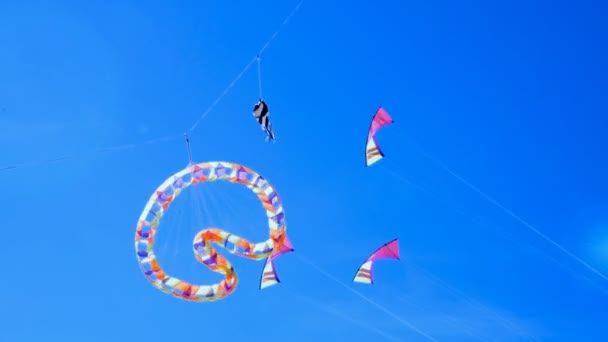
x,y
373,153
389,250
276,245
260,112
269,275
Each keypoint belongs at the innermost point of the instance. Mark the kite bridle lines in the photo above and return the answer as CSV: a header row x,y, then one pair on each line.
x,y
276,244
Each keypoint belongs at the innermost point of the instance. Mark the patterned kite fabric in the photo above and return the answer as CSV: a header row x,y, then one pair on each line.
x,y
373,153
389,250
276,245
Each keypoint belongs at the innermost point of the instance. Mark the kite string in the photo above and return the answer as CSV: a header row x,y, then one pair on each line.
x,y
510,213
219,98
237,211
256,58
259,77
170,137
189,149
338,313
365,298
274,35
226,202
478,220
89,153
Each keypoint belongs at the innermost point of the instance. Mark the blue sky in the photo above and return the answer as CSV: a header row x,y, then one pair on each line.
x,y
510,96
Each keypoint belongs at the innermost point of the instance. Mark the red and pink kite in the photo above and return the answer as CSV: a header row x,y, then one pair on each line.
x,y
389,250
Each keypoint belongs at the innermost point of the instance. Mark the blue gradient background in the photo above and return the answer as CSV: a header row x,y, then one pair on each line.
x,y
511,96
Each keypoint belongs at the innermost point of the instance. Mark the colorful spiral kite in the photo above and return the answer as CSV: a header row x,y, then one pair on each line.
x,y
276,245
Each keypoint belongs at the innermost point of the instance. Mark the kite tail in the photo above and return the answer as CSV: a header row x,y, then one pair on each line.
x,y
208,256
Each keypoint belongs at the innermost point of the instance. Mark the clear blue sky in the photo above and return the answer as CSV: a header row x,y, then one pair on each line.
x,y
511,96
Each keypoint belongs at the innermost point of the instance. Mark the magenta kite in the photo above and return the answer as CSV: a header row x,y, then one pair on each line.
x,y
373,153
389,250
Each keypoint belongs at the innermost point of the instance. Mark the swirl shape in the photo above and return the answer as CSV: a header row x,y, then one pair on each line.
x,y
165,194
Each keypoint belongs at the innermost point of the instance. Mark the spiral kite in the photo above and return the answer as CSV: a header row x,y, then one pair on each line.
x,y
276,245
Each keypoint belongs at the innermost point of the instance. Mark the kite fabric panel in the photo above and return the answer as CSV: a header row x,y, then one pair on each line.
x,y
389,250
276,245
373,153
269,275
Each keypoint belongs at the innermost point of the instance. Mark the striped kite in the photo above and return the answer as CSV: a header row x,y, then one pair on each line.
x,y
260,112
373,153
389,250
276,245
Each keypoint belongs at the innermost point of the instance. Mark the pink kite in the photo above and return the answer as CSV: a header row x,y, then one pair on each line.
x,y
373,153
269,275
389,250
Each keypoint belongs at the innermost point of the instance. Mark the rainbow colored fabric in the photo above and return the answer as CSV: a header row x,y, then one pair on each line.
x,y
276,245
